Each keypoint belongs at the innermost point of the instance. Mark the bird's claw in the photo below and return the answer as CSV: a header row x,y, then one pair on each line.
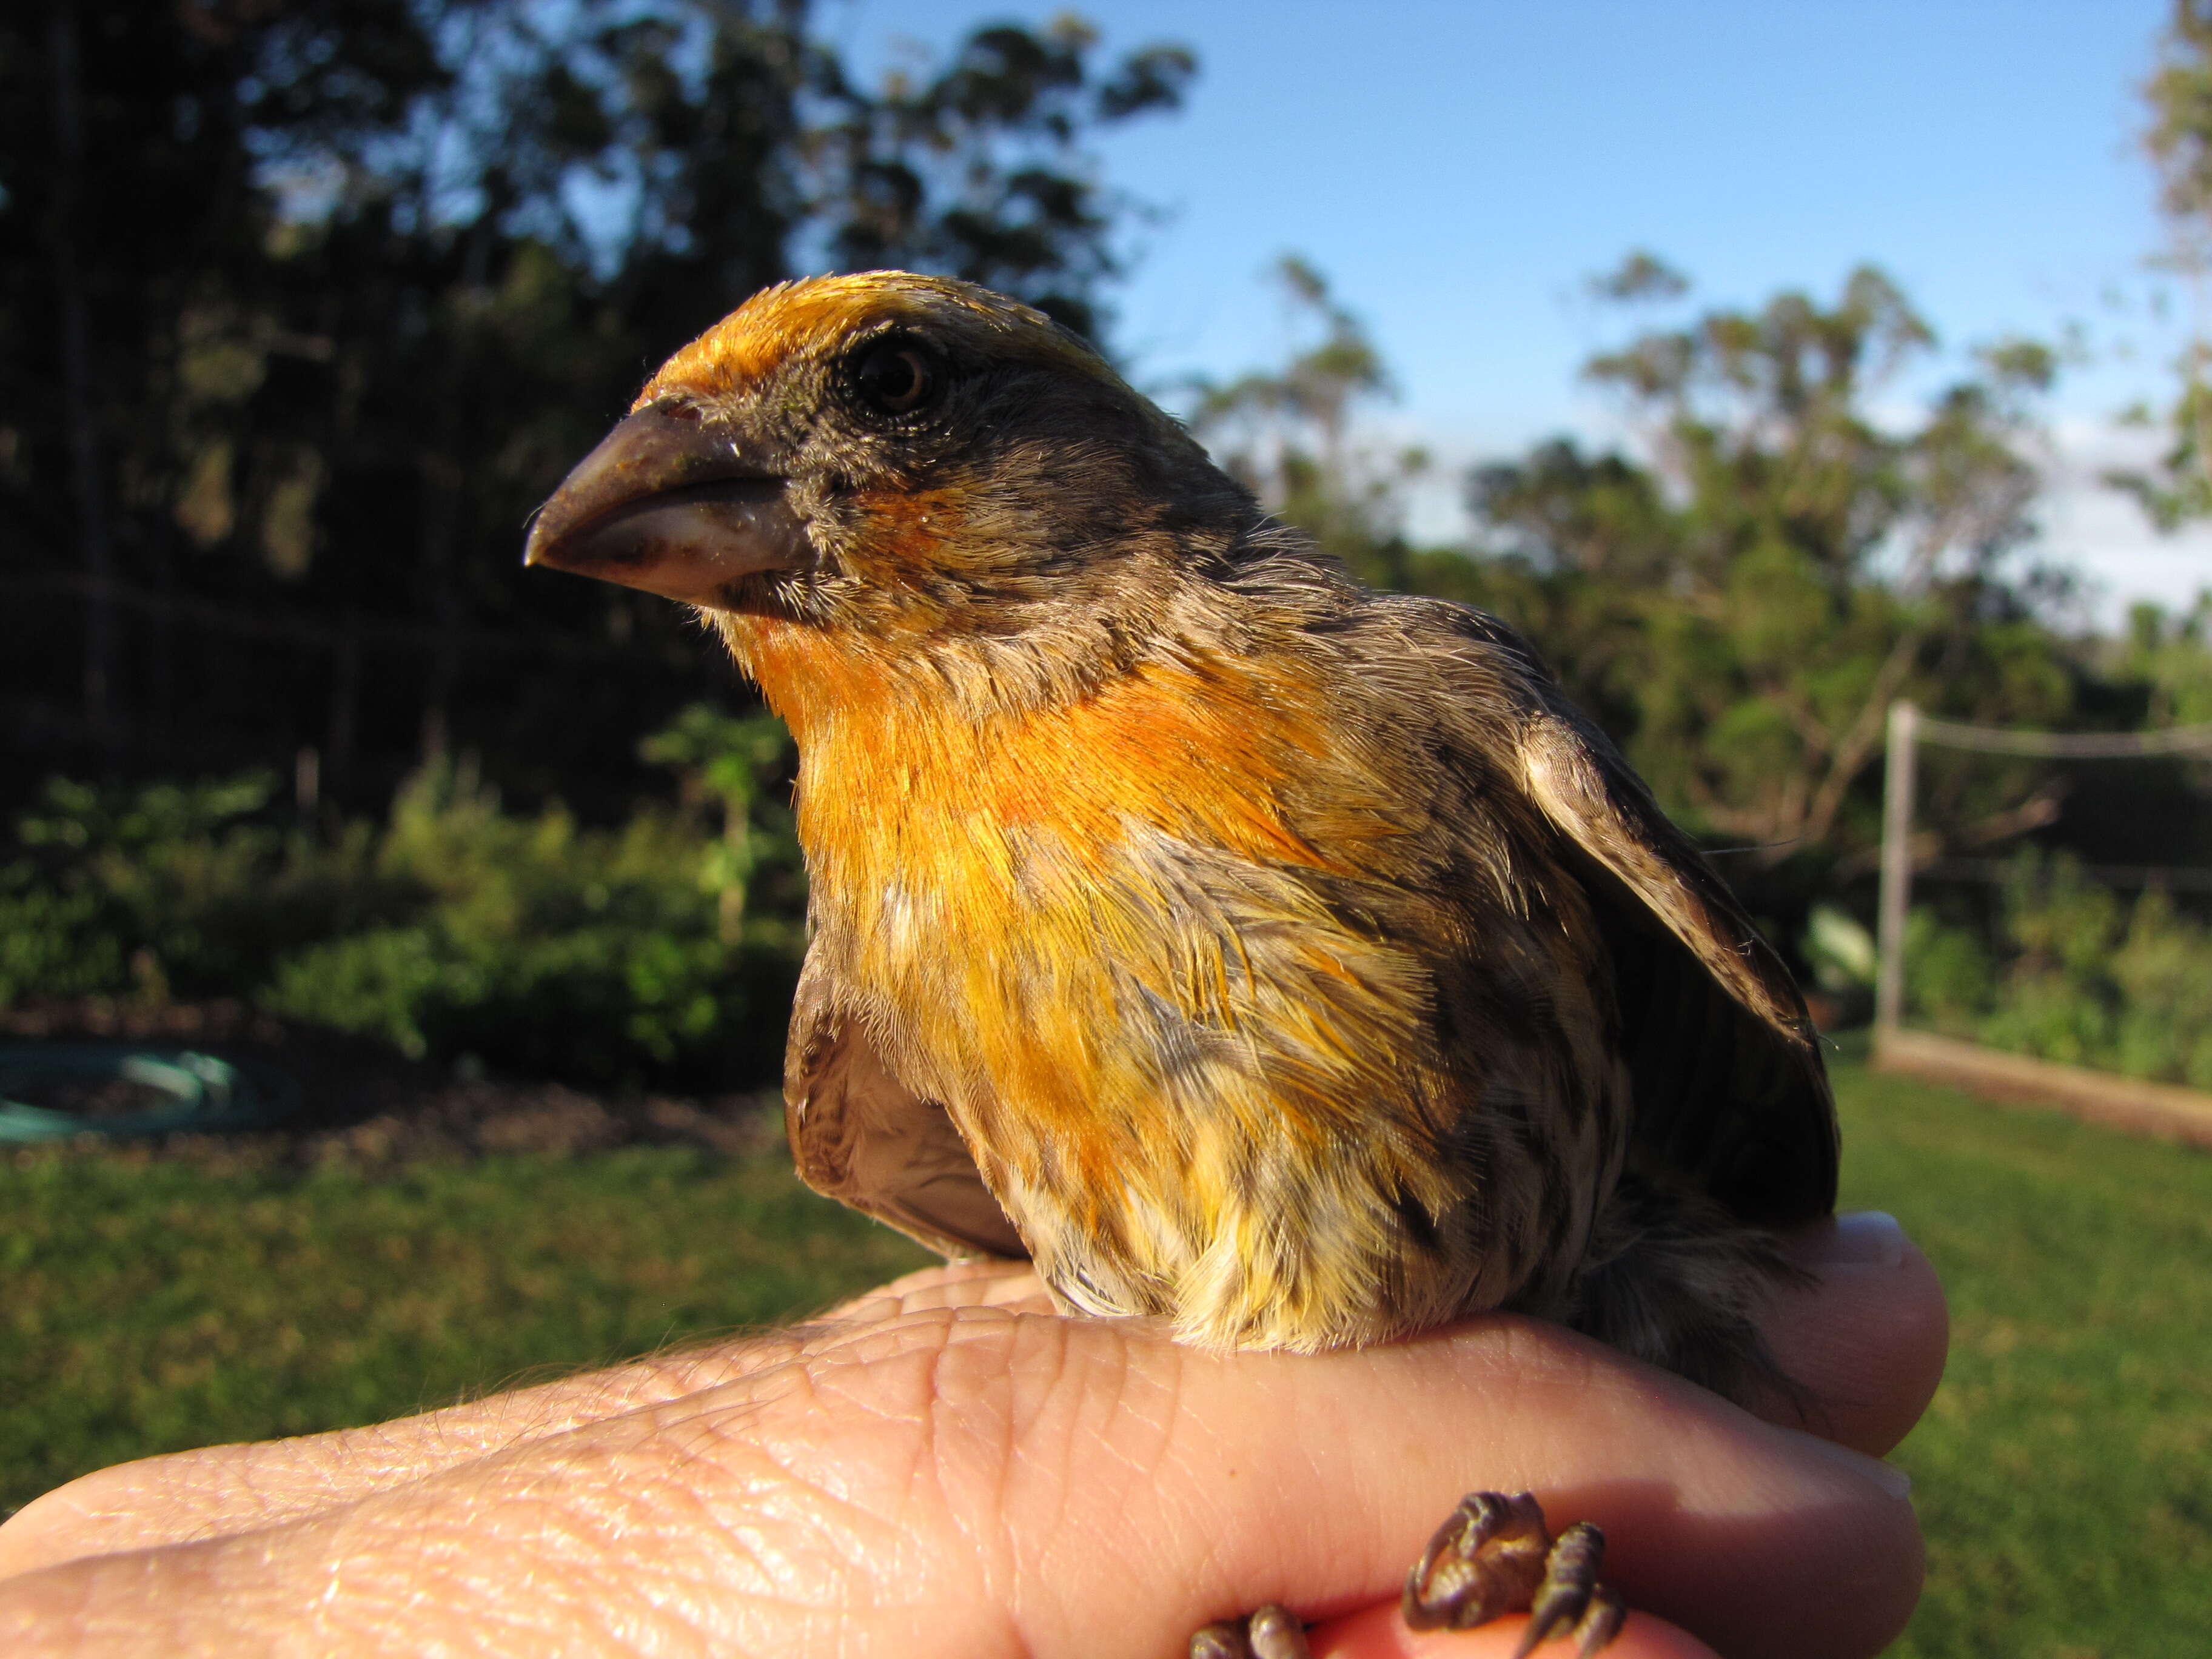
x,y
1496,1555
1571,1598
1272,1632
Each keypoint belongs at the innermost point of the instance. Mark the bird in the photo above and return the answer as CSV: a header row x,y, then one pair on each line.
x,y
1251,949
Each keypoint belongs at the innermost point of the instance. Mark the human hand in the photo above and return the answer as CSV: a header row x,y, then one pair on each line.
x,y
946,1466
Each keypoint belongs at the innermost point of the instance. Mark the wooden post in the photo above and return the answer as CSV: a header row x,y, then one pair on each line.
x,y
1896,869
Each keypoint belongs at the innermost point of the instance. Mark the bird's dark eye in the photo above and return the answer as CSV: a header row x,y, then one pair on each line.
x,y
897,377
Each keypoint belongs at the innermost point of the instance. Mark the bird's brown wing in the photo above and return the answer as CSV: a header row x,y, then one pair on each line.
x,y
1729,1086
1729,1089
860,1135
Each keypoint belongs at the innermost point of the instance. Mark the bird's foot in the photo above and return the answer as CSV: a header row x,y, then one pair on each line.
x,y
1271,1633
1497,1555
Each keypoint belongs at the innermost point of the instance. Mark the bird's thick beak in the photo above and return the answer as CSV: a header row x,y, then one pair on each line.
x,y
671,505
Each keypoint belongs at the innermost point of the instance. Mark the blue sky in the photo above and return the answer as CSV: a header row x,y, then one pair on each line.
x,y
1458,169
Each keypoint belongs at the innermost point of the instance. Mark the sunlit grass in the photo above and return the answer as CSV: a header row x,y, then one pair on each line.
x,y
146,1307
2064,1474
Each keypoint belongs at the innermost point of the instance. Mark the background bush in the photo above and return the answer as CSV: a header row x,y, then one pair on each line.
x,y
453,928
2075,973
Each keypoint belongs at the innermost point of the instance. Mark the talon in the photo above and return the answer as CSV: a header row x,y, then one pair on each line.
x,y
1272,1632
1541,1623
1277,1633
1602,1620
1570,1578
1486,1560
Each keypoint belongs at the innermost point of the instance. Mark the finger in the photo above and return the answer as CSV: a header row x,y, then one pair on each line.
x,y
1378,1632
1866,1339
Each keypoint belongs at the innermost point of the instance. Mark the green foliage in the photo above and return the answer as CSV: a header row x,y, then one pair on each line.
x,y
455,927
2076,975
354,285
1948,979
192,889
2172,657
545,949
1287,434
977,171
2179,137
729,758
2179,94
1741,607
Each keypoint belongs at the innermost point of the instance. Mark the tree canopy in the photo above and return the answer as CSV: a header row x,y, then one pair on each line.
x,y
304,307
2178,138
1747,599
1789,536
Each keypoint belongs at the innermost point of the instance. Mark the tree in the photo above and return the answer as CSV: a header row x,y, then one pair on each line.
x,y
977,171
304,307
1288,434
1743,603
2178,139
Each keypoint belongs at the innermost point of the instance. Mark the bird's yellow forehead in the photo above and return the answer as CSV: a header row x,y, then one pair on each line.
x,y
778,323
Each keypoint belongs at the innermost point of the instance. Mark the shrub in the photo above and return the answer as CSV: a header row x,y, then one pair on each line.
x,y
456,928
194,889
2087,980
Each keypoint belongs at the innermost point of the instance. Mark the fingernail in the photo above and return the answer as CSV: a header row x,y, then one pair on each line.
x,y
1868,1238
1891,1479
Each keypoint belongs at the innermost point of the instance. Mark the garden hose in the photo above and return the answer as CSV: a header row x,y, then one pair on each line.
x,y
204,1095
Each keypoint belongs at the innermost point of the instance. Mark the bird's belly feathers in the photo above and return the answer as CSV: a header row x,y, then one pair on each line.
x,y
1200,1094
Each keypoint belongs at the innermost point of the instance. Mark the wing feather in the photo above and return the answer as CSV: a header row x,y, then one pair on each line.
x,y
860,1136
1729,1089
1729,1086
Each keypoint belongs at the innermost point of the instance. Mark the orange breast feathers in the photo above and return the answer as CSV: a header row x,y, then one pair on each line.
x,y
1078,919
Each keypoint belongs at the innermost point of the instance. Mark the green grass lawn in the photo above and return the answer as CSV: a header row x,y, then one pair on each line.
x,y
2064,1474
149,1306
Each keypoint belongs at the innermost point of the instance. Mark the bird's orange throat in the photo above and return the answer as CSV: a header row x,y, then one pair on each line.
x,y
892,744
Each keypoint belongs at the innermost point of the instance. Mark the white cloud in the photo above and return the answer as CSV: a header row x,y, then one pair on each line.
x,y
2102,534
